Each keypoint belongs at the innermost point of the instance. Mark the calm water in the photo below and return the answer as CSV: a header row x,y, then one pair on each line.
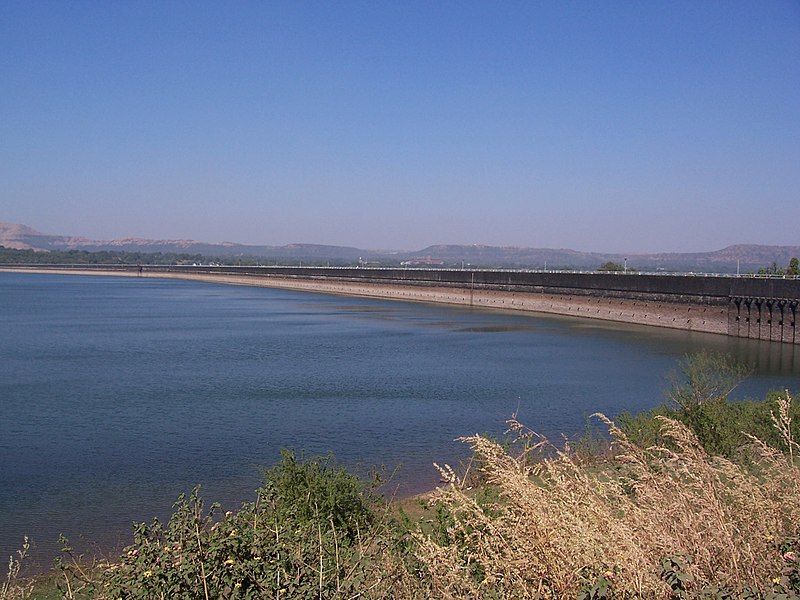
x,y
117,394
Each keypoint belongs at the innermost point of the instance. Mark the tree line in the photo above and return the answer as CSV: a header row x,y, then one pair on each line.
x,y
792,270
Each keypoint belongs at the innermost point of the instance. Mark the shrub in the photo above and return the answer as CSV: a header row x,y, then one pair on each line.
x,y
306,493
699,398
314,531
722,427
705,377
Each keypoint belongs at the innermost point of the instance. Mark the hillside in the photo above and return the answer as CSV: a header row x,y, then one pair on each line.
x,y
749,257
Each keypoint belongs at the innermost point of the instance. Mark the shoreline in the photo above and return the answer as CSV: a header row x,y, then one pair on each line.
x,y
670,315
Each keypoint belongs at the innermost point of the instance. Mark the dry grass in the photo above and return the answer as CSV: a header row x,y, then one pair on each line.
x,y
13,587
560,524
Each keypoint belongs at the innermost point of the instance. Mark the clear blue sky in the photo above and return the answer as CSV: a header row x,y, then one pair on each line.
x,y
613,126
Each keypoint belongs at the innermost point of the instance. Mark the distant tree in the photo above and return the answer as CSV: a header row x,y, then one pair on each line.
x,y
794,267
773,269
611,266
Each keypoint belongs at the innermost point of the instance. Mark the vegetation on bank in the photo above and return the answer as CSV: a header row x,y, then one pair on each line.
x,y
699,498
611,266
104,257
698,398
791,270
118,257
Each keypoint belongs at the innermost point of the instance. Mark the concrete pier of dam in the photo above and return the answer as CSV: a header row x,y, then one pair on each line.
x,y
750,307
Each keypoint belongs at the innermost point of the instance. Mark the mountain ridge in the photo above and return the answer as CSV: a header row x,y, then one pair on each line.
x,y
728,259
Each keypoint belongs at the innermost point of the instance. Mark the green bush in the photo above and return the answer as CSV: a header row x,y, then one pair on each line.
x,y
306,493
312,532
721,426
699,398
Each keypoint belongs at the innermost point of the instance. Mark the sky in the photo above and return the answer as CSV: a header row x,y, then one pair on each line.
x,y
606,126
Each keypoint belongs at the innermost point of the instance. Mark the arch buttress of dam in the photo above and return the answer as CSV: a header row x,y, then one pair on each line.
x,y
773,319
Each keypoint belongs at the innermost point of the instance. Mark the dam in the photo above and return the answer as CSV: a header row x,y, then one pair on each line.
x,y
741,306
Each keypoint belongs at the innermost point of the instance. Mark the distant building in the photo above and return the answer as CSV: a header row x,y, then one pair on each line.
x,y
422,262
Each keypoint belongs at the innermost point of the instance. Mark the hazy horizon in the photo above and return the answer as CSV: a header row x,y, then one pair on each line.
x,y
625,128
388,249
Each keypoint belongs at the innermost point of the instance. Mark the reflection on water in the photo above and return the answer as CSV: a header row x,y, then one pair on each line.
x,y
497,328
764,357
118,394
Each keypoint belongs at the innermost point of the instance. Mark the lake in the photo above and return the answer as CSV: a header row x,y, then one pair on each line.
x,y
117,394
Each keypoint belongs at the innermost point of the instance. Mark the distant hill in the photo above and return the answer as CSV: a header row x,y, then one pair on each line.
x,y
22,237
750,257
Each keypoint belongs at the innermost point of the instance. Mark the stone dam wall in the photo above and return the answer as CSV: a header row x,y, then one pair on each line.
x,y
758,308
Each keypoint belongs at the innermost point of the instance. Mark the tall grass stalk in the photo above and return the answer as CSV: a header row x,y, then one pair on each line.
x,y
14,587
560,526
